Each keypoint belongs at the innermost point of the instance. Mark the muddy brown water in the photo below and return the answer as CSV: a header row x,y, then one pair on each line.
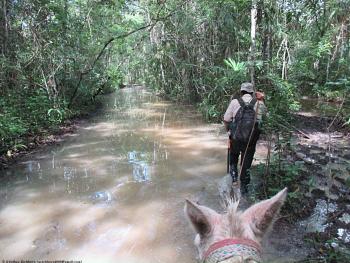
x,y
114,191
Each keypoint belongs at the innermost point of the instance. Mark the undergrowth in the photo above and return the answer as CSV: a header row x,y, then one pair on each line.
x,y
278,175
31,114
329,250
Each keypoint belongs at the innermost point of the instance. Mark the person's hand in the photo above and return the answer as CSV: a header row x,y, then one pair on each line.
x,y
260,95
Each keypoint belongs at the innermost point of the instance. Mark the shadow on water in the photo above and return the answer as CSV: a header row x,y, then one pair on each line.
x,y
115,190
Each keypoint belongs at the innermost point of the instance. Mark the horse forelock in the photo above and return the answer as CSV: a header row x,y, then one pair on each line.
x,y
234,222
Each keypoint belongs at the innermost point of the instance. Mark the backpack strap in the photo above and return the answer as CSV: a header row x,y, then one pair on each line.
x,y
241,102
252,102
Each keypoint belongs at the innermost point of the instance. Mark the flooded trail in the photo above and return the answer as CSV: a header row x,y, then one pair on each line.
x,y
114,191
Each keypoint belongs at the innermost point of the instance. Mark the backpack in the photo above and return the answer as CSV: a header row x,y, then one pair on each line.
x,y
245,121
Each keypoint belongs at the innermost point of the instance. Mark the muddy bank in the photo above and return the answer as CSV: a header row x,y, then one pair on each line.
x,y
322,151
315,165
33,142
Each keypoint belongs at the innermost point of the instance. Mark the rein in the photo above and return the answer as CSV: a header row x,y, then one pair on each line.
x,y
228,248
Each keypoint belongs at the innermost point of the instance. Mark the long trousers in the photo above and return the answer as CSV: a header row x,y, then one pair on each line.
x,y
239,148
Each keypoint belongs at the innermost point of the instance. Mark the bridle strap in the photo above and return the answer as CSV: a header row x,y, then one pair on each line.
x,y
230,242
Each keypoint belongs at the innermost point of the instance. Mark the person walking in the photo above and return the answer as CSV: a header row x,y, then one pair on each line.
x,y
242,121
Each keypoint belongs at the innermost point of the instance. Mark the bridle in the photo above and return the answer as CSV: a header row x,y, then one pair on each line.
x,y
245,248
231,247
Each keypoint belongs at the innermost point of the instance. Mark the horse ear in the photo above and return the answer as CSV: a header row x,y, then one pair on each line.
x,y
262,215
201,217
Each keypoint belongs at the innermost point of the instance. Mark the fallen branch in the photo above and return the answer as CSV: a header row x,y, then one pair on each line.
x,y
296,129
293,127
302,133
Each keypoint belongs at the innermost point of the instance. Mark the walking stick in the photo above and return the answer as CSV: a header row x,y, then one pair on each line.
x,y
228,154
235,191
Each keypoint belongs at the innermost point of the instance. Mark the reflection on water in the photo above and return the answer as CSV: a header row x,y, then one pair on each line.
x,y
140,169
102,196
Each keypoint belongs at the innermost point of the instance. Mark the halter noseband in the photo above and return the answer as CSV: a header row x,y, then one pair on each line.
x,y
228,248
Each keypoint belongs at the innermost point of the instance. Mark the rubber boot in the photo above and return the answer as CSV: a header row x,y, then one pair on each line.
x,y
234,173
245,180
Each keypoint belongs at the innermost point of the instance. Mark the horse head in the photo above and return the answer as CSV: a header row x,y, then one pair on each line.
x,y
235,236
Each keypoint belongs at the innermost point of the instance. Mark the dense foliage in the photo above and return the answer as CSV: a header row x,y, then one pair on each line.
x,y
204,51
49,66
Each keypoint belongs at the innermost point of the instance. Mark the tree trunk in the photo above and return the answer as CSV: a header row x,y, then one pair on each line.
x,y
253,44
4,23
266,45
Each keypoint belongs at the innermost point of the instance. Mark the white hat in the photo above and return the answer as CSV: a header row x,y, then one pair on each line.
x,y
247,86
